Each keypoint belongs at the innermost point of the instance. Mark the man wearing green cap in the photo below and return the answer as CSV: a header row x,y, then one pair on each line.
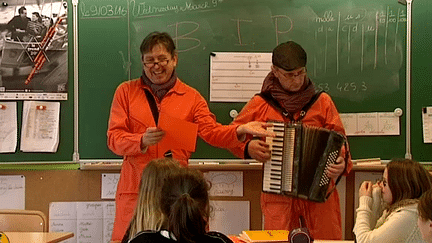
x,y
288,95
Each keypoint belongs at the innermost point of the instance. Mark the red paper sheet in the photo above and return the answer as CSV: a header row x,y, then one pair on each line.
x,y
179,134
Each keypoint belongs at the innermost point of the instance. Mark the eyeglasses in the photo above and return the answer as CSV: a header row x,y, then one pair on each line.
x,y
162,63
294,73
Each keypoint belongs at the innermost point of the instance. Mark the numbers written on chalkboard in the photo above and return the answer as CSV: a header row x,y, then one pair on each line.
x,y
353,87
103,11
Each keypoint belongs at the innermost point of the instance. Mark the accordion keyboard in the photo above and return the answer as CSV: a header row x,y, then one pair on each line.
x,y
275,169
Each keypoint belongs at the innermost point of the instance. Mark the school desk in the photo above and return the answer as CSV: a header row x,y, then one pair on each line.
x,y
333,241
38,237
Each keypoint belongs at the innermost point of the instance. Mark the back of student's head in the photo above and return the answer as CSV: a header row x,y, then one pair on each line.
x,y
425,206
185,203
148,214
407,179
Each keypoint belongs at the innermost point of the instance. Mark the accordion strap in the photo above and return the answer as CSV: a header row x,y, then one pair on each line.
x,y
272,101
152,103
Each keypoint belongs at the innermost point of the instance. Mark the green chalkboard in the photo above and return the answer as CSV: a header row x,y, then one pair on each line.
x,y
356,52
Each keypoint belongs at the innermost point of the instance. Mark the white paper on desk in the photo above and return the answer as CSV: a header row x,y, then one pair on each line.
x,y
427,124
225,183
230,217
8,127
109,185
12,192
40,126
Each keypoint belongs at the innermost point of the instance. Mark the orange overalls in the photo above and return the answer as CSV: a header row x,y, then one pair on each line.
x,y
282,212
130,117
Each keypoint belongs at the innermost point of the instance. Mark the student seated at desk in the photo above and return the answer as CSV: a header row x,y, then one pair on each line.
x,y
185,205
425,216
148,214
404,181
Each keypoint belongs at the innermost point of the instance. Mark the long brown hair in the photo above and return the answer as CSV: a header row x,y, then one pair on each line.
x,y
185,202
425,206
148,214
407,179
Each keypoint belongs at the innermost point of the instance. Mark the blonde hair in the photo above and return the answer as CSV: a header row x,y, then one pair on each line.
x,y
148,214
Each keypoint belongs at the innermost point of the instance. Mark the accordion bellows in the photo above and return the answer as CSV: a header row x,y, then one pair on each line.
x,y
300,155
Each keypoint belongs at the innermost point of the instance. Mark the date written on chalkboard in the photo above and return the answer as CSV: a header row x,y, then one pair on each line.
x,y
138,9
343,87
105,11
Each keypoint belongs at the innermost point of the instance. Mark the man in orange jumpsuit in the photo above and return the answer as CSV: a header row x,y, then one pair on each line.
x,y
132,129
290,88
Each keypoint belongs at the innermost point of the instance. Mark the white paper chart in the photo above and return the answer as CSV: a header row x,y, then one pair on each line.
x,y
89,221
427,124
12,192
371,124
237,76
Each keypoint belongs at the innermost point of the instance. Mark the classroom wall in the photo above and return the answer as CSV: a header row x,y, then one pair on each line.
x,y
46,186
43,187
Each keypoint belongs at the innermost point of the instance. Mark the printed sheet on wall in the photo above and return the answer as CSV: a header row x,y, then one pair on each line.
x,y
34,56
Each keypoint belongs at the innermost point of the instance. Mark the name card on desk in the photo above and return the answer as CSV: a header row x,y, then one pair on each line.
x,y
12,192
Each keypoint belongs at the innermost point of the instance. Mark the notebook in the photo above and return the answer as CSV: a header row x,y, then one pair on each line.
x,y
264,235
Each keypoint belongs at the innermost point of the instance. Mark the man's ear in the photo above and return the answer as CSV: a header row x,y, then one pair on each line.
x,y
175,59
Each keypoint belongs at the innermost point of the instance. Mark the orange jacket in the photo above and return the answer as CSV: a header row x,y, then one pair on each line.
x,y
130,117
282,212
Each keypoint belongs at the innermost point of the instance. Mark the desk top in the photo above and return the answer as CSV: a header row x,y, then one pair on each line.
x,y
214,164
38,237
333,241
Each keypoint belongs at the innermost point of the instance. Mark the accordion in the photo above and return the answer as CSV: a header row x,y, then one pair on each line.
x,y
299,157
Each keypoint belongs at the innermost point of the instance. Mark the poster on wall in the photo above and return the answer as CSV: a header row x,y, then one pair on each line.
x,y
33,50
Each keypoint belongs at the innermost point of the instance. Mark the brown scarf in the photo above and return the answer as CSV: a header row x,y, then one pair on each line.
x,y
160,90
292,102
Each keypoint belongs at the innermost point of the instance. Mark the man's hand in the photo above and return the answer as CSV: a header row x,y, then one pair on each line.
x,y
259,150
336,169
255,128
152,136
